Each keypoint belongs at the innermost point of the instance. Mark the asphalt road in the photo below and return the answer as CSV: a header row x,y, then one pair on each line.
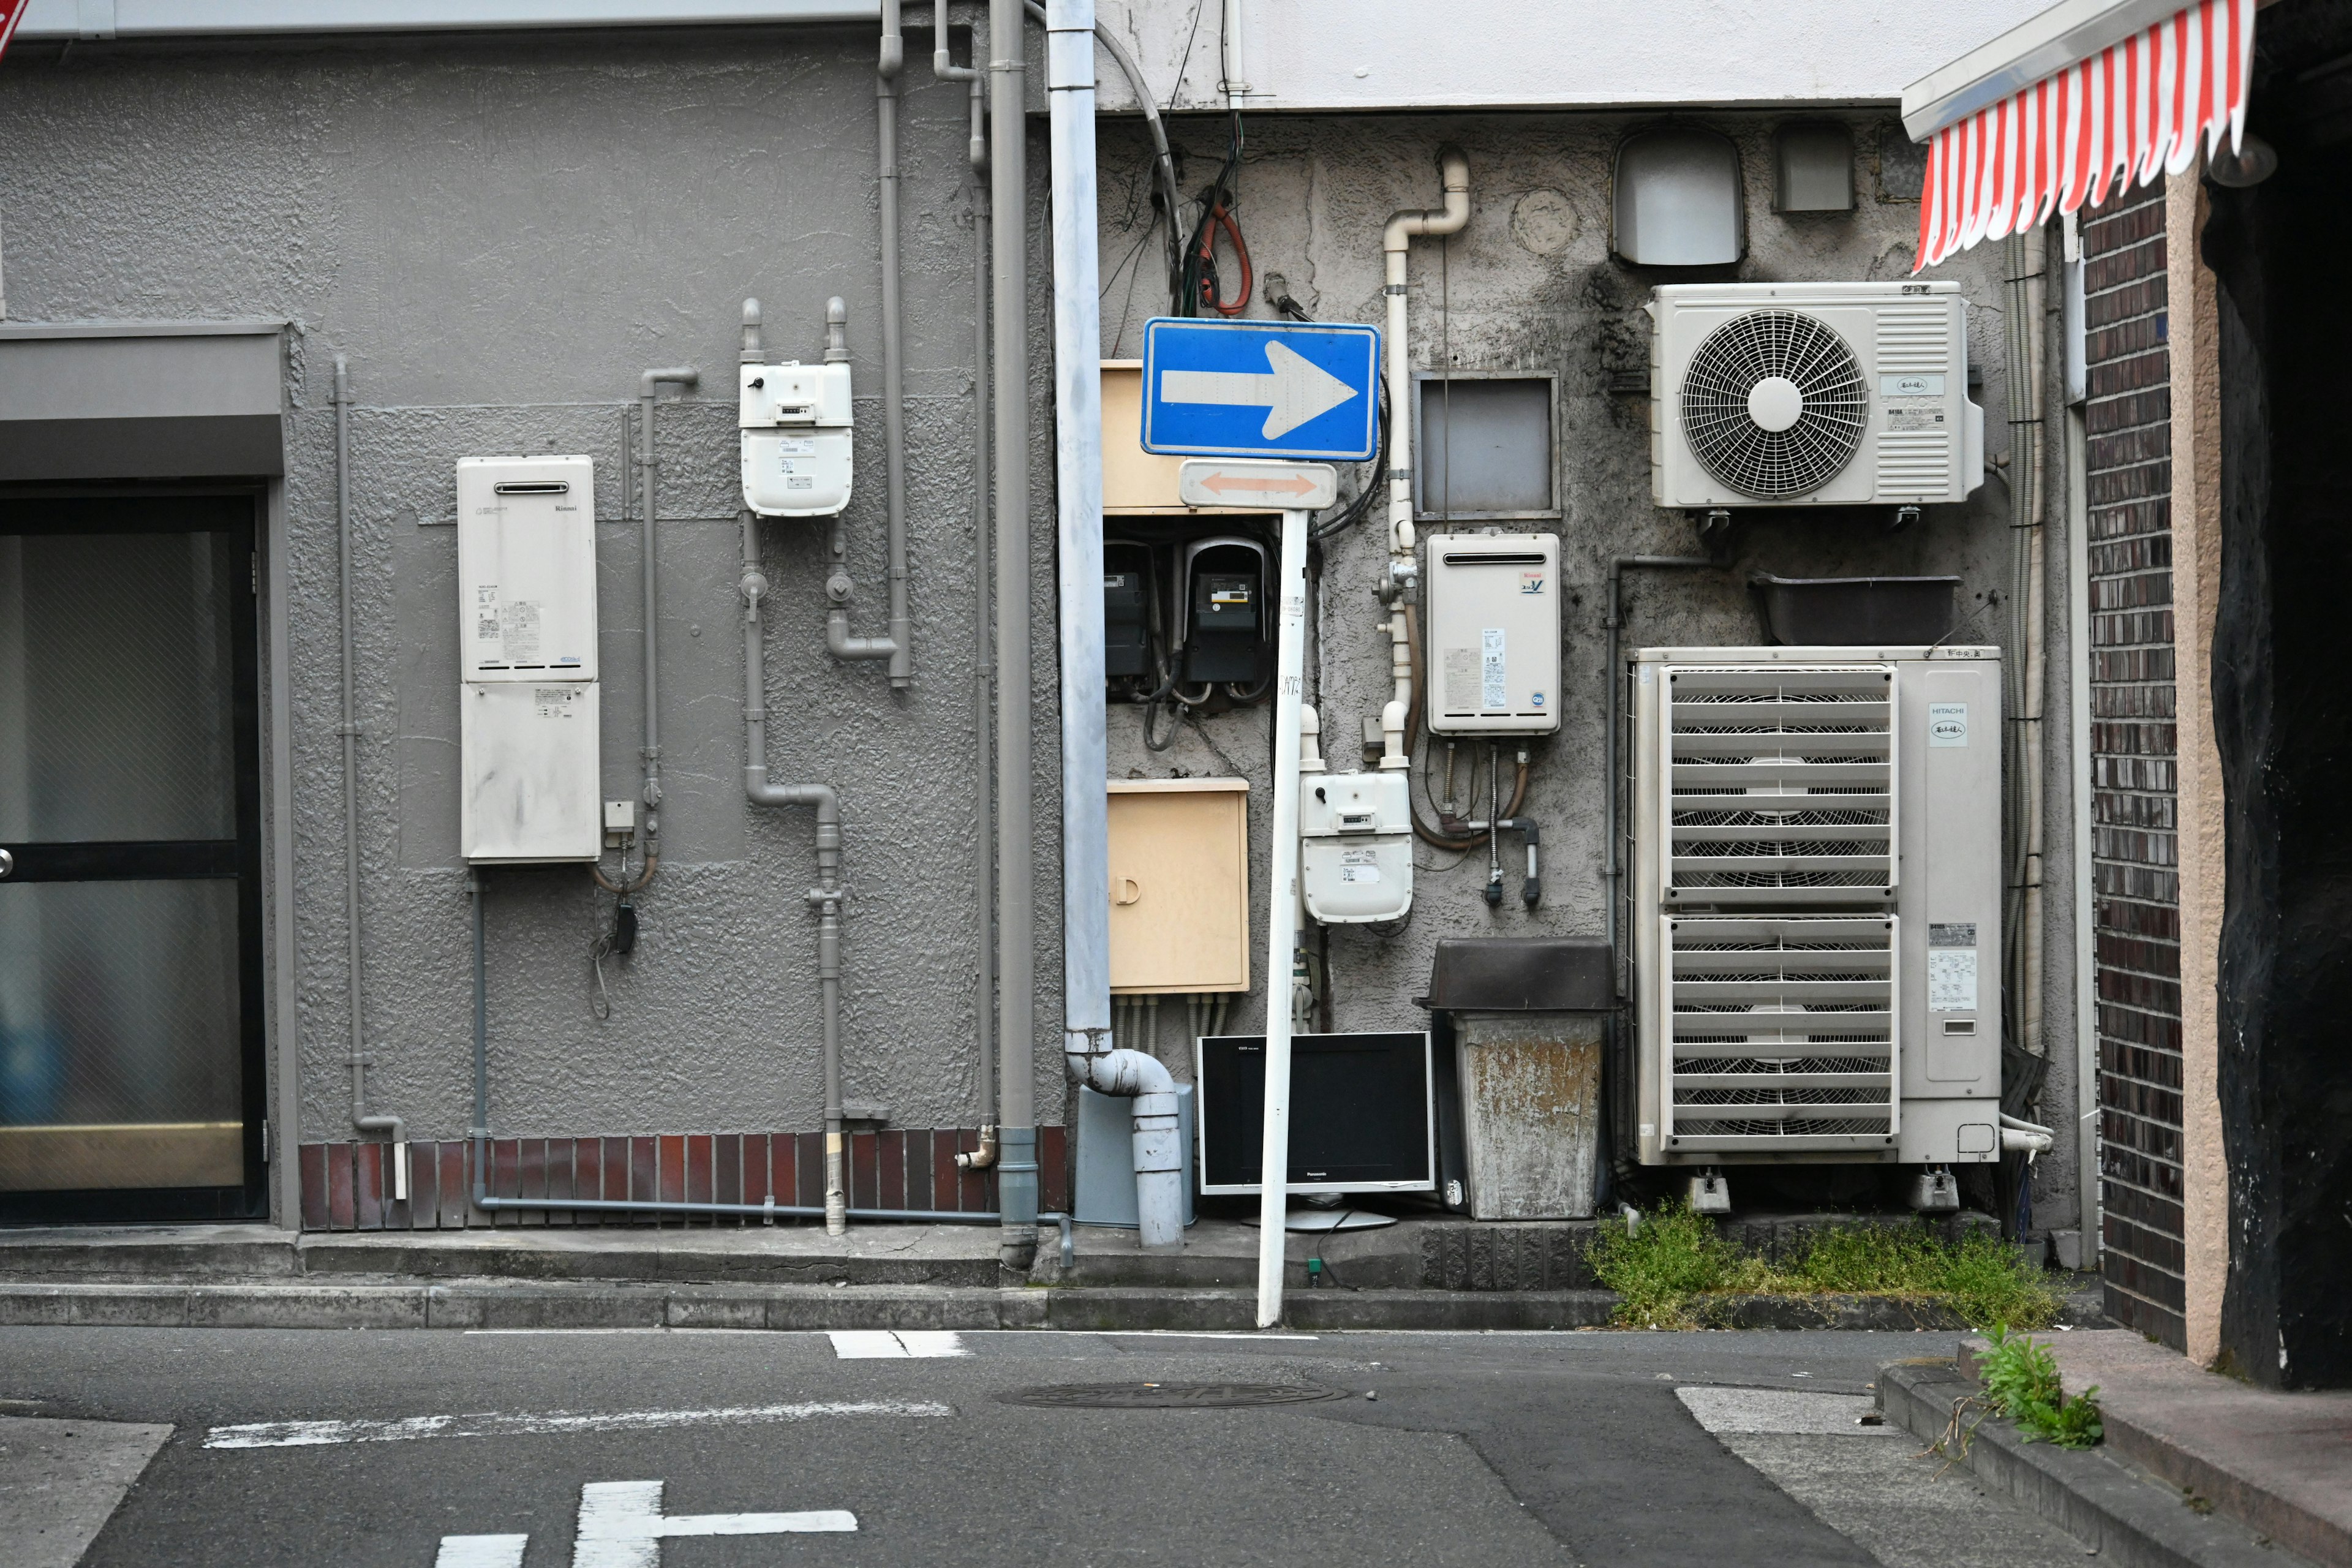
x,y
1478,1448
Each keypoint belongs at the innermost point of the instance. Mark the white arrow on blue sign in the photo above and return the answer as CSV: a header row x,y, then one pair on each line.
x,y
1261,389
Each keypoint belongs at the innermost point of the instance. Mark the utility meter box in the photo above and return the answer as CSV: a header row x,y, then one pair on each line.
x,y
1355,847
529,701
796,438
1491,602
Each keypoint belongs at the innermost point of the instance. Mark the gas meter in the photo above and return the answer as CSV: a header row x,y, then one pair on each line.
x,y
796,437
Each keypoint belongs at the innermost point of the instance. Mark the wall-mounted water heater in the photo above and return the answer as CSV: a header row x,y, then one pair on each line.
x,y
1492,606
527,660
796,437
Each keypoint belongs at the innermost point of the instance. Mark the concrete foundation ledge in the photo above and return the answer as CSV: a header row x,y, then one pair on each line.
x,y
2128,1518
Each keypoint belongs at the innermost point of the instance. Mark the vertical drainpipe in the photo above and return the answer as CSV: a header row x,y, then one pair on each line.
x,y
350,731
648,386
1016,874
1078,486
1087,1044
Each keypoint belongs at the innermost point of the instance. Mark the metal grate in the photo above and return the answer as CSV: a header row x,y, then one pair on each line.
x,y
1780,346
1782,1032
1780,785
1165,1395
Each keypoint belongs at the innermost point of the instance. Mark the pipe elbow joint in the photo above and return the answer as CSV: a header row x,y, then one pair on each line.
x,y
1122,1074
842,644
678,374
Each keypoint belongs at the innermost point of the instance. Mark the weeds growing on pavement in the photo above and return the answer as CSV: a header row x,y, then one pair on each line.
x,y
1662,1266
2021,1382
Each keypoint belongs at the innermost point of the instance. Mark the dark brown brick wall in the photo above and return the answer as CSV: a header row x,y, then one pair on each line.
x,y
346,1186
2135,845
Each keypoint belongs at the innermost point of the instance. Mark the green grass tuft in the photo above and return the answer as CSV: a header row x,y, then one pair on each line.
x,y
2021,1382
1674,1256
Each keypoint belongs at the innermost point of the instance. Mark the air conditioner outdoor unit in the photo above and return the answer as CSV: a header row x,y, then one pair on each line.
x,y
1817,904
1812,395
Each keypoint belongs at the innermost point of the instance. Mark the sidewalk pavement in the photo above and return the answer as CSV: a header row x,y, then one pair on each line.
x,y
1435,1271
2197,1470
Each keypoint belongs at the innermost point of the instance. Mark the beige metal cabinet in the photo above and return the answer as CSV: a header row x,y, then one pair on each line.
x,y
1179,884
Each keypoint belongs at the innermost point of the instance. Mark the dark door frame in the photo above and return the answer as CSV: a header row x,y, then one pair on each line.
x,y
237,508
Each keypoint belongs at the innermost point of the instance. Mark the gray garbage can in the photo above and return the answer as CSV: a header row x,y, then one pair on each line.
x,y
1529,1017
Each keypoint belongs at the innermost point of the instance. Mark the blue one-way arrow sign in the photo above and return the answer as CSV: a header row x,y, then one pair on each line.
x,y
1260,389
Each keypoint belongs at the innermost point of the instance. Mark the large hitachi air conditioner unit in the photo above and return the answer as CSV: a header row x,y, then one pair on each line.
x,y
1816,904
1812,395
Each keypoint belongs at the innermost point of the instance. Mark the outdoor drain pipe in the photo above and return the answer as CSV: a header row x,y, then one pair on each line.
x,y
1396,241
349,730
1008,173
649,386
984,1005
897,646
1088,1055
1615,620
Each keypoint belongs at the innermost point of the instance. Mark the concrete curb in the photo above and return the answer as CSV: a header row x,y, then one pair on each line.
x,y
2128,1519
506,1303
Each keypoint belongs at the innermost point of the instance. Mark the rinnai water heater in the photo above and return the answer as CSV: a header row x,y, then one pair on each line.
x,y
527,660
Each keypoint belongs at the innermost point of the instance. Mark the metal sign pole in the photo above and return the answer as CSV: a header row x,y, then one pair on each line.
x,y
1281,911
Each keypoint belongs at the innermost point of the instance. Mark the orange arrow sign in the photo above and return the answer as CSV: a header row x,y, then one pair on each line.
x,y
1296,484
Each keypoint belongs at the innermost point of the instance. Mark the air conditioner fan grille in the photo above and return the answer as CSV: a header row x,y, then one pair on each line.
x,y
1748,350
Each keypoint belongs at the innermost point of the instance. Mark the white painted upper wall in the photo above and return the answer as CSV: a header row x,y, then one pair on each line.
x,y
1530,54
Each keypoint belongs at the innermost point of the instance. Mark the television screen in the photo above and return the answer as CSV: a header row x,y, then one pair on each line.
x,y
1361,1117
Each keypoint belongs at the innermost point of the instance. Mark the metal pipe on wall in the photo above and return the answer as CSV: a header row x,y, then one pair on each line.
x,y
897,646
1613,617
1396,240
826,896
1015,877
1088,1054
350,731
649,385
983,1008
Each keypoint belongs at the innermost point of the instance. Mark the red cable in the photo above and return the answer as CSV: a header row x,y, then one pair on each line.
x,y
1220,218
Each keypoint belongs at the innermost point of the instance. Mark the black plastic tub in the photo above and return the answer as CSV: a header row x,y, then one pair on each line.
x,y
1813,612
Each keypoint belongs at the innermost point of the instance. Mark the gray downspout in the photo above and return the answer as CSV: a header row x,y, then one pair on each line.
x,y
649,386
350,731
983,1008
1615,619
897,646
1015,876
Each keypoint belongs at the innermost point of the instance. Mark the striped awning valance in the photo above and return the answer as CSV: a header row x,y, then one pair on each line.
x,y
2121,117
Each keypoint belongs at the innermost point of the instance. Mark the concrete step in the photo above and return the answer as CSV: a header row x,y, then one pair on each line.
x,y
2112,1508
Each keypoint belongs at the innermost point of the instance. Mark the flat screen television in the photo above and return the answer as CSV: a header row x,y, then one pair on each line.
x,y
1361,1113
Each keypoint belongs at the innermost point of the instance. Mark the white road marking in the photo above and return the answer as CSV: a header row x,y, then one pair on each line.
x,y
61,1480
622,1524
1191,1334
487,1424
473,1332
481,1551
1782,1410
895,1345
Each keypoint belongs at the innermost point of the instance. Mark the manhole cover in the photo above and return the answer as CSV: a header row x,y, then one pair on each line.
x,y
1164,1396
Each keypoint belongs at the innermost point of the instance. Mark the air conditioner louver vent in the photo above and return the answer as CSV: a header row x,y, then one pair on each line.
x,y
1780,785
1773,404
1783,1034
1913,340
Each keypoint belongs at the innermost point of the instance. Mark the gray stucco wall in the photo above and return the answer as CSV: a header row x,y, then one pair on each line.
x,y
500,234
1529,286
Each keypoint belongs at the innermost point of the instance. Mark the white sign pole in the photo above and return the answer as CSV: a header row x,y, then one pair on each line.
x,y
1281,913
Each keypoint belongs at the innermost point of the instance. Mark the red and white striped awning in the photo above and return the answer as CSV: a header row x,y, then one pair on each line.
x,y
2121,116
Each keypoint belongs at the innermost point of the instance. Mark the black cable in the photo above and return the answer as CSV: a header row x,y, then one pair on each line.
x,y
1374,481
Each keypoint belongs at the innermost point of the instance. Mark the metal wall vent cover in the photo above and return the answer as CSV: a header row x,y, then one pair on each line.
x,y
1747,365
1165,1395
